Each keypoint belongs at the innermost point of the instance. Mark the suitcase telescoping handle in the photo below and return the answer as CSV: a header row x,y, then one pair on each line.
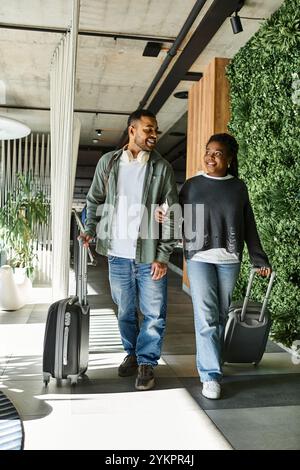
x,y
81,228
82,274
265,301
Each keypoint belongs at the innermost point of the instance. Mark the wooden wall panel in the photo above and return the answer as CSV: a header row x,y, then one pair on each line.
x,y
208,113
222,104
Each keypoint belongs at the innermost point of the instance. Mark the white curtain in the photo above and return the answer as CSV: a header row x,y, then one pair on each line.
x,y
65,131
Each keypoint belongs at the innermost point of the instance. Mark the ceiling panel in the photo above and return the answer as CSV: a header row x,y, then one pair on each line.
x,y
38,121
111,74
24,67
151,17
173,109
26,55
111,126
111,98
225,43
119,62
55,13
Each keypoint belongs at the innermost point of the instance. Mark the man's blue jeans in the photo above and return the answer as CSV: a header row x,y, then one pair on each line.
x,y
211,289
132,285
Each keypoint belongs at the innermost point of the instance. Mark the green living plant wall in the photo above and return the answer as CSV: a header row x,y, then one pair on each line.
x,y
264,81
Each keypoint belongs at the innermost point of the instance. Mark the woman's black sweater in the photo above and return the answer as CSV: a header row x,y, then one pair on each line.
x,y
219,215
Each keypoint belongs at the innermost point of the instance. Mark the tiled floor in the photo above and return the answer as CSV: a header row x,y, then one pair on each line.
x,y
260,407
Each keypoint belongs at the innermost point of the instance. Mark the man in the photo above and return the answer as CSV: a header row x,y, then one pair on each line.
x,y
131,183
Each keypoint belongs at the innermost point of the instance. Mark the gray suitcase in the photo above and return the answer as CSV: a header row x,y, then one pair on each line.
x,y
66,341
247,328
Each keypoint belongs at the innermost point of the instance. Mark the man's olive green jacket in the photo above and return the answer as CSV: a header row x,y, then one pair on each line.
x,y
159,187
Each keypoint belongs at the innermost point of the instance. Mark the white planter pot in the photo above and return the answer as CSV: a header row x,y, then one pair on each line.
x,y
15,289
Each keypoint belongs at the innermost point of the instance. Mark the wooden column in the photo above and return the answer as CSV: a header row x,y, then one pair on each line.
x,y
208,113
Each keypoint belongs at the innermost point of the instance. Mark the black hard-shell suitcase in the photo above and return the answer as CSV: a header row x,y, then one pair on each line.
x,y
247,328
66,341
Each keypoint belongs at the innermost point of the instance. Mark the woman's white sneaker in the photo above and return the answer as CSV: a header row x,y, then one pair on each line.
x,y
211,389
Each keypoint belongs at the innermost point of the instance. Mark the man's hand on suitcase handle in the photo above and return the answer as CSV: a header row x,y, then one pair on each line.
x,y
264,272
85,238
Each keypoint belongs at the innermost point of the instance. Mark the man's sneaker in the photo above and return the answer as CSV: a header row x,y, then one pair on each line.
x,y
128,367
211,389
145,378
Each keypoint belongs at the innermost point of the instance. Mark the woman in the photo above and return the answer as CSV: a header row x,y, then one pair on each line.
x,y
218,219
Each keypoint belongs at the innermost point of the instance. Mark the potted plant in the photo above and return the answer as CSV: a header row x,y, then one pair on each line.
x,y
26,207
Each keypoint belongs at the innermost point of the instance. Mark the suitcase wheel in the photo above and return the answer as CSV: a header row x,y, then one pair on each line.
x,y
46,379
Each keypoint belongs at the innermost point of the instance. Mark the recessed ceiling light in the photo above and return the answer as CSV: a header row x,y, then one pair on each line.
x,y
96,141
183,95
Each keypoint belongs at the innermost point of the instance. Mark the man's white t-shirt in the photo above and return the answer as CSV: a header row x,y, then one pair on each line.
x,y
128,211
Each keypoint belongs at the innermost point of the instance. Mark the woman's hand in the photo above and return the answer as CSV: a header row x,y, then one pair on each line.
x,y
160,215
264,272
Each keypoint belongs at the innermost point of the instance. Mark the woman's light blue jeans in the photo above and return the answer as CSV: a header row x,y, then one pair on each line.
x,y
132,285
211,289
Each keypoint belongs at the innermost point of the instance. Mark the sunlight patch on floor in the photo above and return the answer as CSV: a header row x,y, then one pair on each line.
x,y
168,419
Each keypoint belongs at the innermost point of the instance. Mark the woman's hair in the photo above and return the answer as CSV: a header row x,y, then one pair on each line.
x,y
232,148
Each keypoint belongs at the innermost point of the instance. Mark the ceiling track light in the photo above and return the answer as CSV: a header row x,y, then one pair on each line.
x,y
98,132
236,23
